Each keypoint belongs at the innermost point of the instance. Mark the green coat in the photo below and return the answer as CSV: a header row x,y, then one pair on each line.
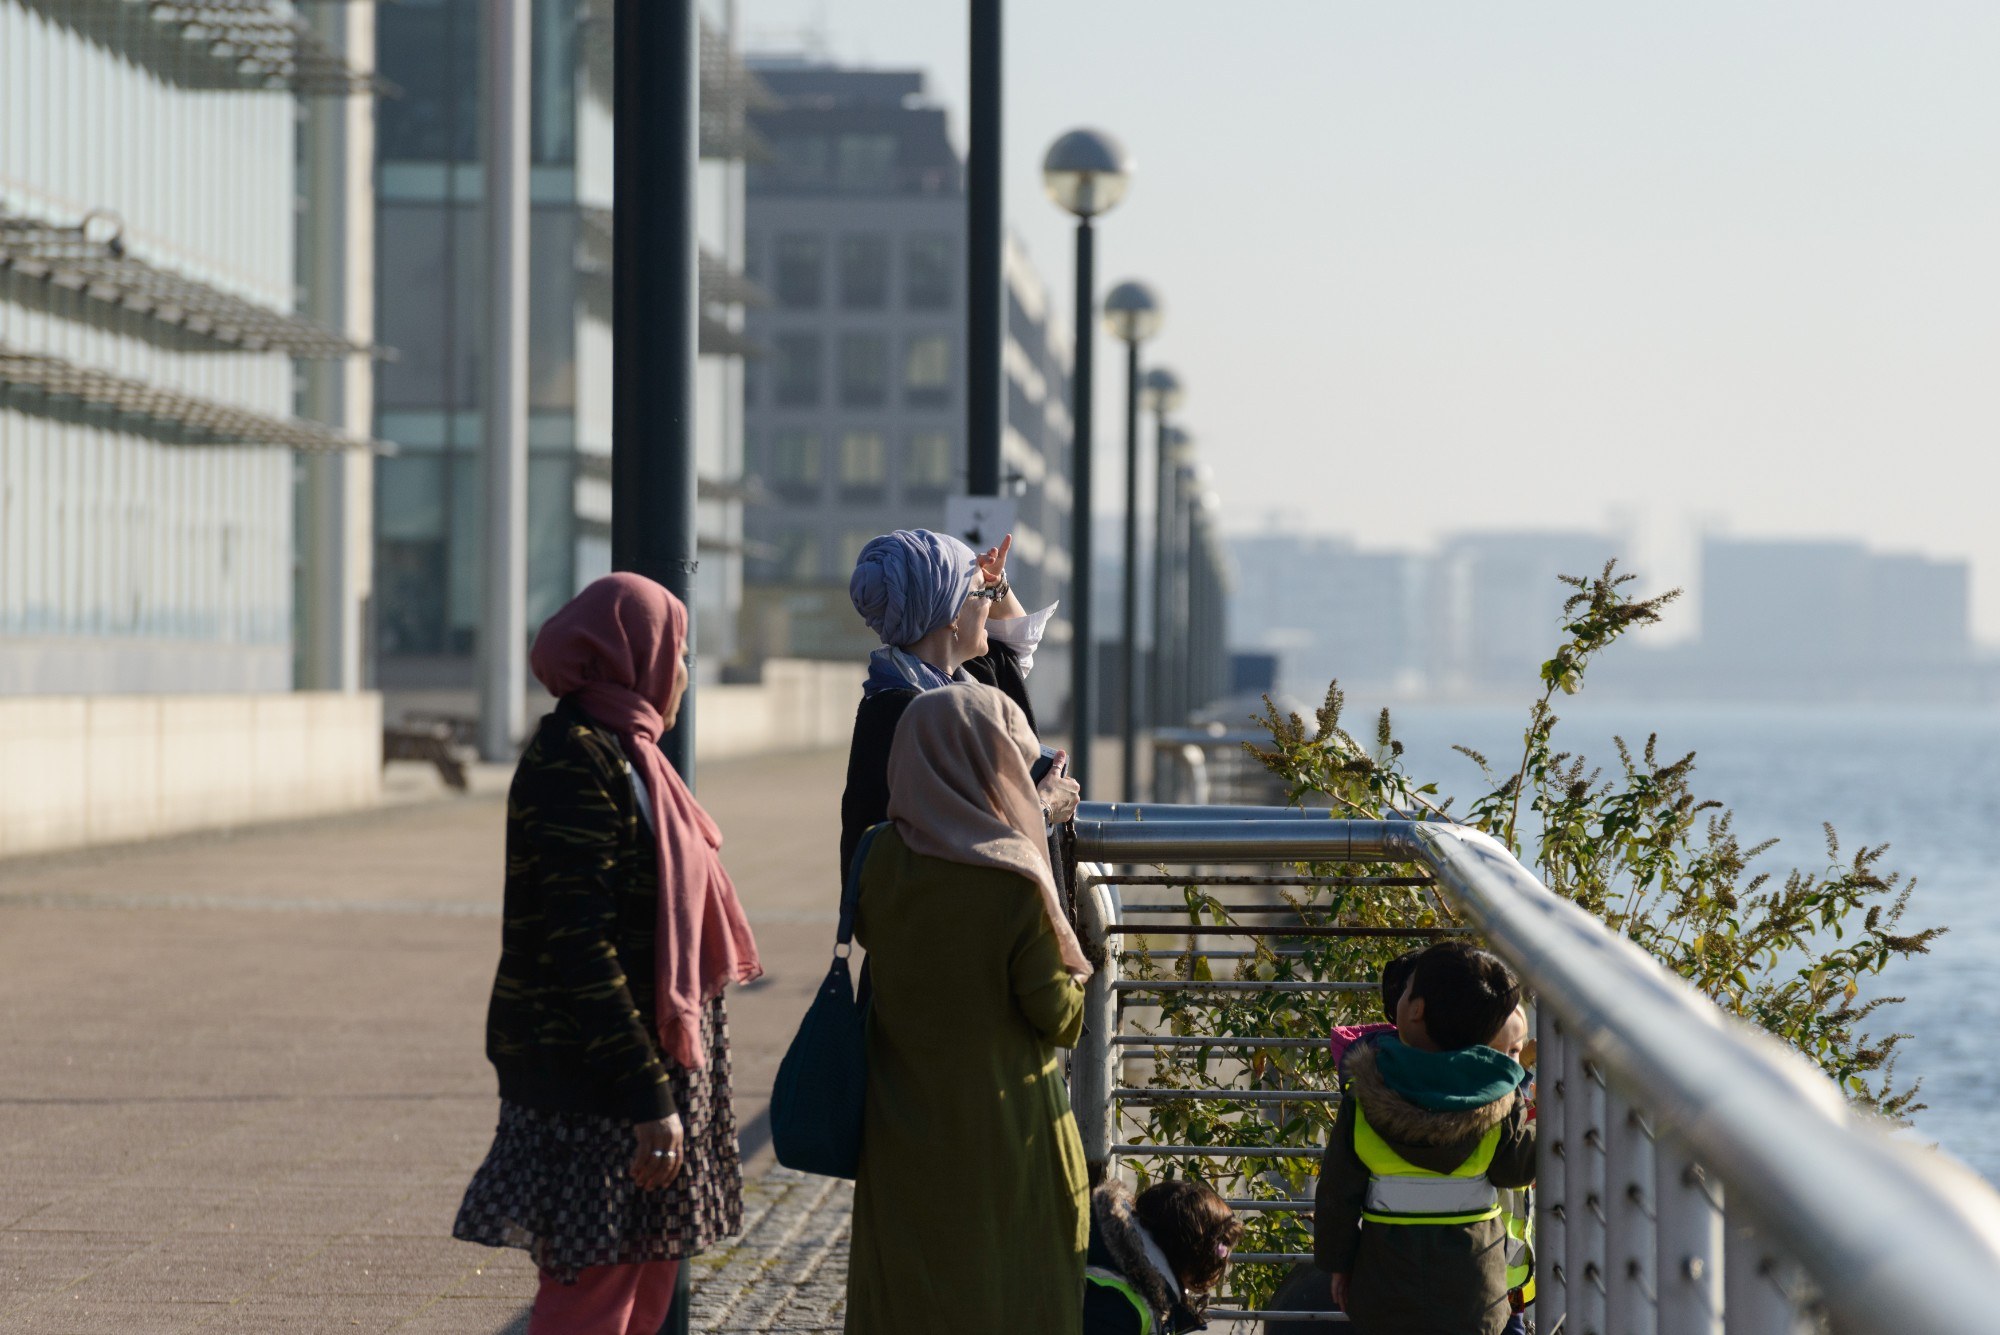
x,y
970,1207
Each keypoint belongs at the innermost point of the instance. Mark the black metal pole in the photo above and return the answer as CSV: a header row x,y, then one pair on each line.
x,y
986,281
1083,661
1158,714
654,307
1128,713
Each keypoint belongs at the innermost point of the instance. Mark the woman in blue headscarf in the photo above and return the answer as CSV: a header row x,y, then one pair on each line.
x,y
945,614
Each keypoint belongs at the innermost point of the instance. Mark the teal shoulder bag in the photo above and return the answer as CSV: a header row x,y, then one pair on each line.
x,y
822,1085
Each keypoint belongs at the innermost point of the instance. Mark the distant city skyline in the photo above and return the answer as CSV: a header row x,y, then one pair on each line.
x,y
1451,266
1776,618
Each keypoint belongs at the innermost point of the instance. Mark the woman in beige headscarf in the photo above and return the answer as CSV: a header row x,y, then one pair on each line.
x,y
970,1204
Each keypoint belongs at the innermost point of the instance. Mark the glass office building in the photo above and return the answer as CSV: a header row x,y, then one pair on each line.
x,y
151,264
431,300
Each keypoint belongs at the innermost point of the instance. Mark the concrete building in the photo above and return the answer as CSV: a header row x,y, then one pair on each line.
x,y
431,310
1831,607
162,477
856,416
1496,605
1331,611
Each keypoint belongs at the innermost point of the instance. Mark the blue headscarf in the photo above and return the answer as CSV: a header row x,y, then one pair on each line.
x,y
905,585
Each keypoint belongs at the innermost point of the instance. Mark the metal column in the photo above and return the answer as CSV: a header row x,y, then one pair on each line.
x,y
503,622
1629,1247
338,237
985,253
1083,658
1157,714
1688,1224
1128,712
655,308
1551,1155
1583,1194
1756,1286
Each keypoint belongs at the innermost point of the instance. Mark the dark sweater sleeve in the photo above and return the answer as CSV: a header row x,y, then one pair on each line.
x,y
577,826
1514,1157
1343,1189
1000,666
866,799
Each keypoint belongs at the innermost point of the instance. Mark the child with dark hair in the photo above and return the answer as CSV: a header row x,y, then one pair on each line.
x,y
1408,1218
1154,1258
1395,977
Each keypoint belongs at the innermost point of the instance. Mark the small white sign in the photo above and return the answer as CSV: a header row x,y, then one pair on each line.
x,y
981,520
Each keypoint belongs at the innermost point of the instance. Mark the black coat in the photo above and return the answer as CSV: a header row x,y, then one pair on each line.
x,y
866,801
1115,1246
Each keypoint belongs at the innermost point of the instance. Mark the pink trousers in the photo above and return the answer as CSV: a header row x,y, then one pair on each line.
x,y
606,1300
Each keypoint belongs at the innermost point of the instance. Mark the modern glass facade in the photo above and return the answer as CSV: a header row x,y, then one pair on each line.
x,y
431,302
146,487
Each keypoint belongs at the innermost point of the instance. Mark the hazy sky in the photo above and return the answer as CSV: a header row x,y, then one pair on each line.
x,y
1455,264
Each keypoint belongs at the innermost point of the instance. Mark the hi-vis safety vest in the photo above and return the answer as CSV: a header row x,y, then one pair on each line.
x,y
1520,1210
1116,1282
1399,1192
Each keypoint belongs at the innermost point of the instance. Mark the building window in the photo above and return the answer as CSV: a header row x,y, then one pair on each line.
x,y
928,271
927,371
792,464
800,264
414,257
864,462
864,272
851,543
795,371
864,370
798,555
866,162
928,467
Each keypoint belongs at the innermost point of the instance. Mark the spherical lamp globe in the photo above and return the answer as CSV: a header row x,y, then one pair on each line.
x,y
1087,172
1132,312
1164,391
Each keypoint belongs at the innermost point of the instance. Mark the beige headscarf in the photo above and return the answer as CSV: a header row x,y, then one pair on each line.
x,y
960,790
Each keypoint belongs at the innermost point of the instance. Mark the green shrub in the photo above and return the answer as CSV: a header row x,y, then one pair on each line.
x,y
1632,843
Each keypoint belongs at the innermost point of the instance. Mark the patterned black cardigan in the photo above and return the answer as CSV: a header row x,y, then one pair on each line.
x,y
570,1027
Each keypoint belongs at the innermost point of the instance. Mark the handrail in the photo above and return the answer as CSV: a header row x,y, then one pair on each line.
x,y
1894,1237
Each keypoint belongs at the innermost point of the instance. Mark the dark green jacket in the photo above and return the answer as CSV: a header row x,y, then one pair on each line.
x,y
1417,1279
570,1027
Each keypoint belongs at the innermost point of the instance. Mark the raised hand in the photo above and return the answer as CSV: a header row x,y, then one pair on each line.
x,y
993,561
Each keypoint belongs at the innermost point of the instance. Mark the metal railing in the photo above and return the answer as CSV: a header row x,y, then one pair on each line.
x,y
1694,1176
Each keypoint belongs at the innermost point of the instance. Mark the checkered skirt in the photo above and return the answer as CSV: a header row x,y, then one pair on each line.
x,y
559,1186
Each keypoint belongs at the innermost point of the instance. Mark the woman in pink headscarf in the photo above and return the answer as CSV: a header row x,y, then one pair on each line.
x,y
616,1154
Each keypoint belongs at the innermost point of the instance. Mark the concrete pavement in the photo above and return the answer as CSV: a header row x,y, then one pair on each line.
x,y
242,1082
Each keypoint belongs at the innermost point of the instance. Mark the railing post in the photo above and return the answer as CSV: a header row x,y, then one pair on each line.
x,y
1756,1298
1688,1223
1093,1069
1628,1229
1583,1193
1550,1152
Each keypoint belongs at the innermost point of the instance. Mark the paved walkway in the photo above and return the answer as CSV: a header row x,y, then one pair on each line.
x,y
242,1082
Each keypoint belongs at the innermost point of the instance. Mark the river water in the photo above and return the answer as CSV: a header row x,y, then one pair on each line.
x,y
1924,781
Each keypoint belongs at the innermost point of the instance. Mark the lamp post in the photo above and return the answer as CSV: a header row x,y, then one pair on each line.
x,y
1164,395
1134,314
1087,173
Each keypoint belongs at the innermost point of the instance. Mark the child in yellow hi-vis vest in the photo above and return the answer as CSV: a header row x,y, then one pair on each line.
x,y
1408,1220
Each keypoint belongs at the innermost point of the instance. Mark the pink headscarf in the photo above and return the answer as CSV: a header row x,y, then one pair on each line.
x,y
614,647
960,789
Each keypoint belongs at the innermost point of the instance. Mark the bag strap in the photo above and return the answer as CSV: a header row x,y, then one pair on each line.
x,y
850,893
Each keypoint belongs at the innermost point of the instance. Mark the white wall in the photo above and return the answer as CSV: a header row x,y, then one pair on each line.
x,y
799,706
82,770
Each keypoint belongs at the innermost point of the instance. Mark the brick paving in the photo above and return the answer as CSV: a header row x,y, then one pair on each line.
x,y
242,1082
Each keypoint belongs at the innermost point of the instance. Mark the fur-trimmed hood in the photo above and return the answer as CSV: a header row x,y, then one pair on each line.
x,y
1124,1238
1436,1140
